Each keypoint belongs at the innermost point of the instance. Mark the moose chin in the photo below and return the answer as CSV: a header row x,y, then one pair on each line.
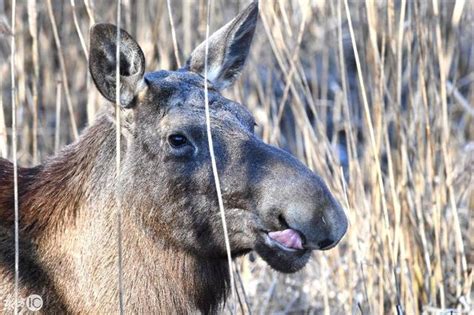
x,y
174,253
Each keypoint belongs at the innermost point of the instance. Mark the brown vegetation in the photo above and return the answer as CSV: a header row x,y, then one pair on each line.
x,y
384,114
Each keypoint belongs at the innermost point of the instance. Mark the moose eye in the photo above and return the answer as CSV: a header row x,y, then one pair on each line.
x,y
177,141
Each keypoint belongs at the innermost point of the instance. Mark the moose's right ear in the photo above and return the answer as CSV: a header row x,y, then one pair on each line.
x,y
103,62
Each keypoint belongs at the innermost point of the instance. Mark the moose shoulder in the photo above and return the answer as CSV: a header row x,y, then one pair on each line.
x,y
174,255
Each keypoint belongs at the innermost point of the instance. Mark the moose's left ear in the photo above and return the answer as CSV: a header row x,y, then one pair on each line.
x,y
227,49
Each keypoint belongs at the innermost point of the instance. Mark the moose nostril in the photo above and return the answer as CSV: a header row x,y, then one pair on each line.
x,y
325,243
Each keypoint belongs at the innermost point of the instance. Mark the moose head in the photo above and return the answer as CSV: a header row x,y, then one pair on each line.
x,y
274,204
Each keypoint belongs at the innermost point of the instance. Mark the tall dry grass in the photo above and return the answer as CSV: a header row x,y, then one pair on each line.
x,y
376,96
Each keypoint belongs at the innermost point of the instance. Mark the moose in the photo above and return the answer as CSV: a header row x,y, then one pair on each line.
x,y
174,253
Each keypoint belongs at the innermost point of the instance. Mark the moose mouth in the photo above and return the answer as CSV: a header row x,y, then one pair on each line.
x,y
283,250
288,240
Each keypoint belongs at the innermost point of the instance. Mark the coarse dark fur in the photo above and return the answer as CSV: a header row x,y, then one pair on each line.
x,y
174,256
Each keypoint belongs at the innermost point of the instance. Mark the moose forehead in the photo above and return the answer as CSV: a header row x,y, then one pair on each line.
x,y
182,93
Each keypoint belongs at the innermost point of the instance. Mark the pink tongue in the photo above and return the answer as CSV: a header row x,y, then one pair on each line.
x,y
289,238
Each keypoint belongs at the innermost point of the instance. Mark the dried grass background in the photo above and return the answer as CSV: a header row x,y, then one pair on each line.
x,y
380,105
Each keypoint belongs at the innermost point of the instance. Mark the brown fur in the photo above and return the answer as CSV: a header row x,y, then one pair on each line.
x,y
52,199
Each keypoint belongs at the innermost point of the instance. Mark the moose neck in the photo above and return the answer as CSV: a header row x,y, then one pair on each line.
x,y
70,212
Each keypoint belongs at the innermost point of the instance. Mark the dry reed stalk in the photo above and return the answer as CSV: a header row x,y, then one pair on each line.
x,y
173,34
91,95
240,289
210,143
78,30
14,157
57,127
127,8
3,130
187,27
33,28
22,96
90,10
118,159
63,71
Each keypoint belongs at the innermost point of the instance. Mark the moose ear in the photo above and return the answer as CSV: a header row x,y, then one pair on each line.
x,y
103,62
227,49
